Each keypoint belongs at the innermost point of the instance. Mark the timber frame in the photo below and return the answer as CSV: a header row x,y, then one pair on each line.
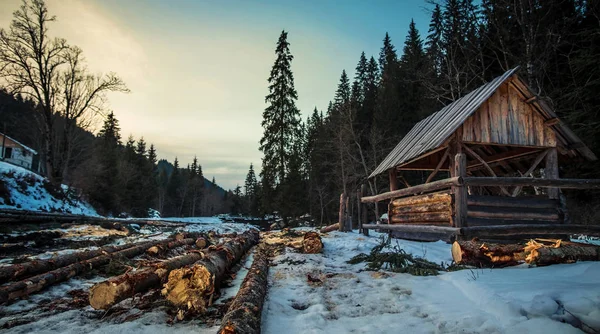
x,y
500,147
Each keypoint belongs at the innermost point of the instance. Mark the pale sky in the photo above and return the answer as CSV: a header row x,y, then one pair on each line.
x,y
198,70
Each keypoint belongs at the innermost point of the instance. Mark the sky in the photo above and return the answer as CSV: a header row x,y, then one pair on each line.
x,y
198,70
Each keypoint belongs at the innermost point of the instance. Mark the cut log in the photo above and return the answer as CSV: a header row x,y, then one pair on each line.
x,y
312,243
244,314
20,271
480,254
422,208
37,283
106,294
422,188
163,248
332,227
193,287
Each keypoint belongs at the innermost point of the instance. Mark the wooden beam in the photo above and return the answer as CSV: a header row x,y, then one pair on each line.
x,y
551,171
393,179
363,210
415,228
536,162
512,154
439,165
485,164
511,202
460,192
422,188
532,182
531,99
521,229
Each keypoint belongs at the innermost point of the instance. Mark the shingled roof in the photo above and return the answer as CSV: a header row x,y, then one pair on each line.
x,y
431,132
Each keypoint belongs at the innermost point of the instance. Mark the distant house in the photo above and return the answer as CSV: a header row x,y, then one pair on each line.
x,y
18,154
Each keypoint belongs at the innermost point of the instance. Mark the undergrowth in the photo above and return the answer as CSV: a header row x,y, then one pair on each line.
x,y
396,260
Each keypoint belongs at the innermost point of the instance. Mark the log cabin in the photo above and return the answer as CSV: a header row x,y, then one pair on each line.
x,y
499,148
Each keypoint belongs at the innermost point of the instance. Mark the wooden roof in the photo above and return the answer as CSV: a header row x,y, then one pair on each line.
x,y
433,132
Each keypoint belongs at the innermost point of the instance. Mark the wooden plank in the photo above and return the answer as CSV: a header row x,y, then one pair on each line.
x,y
511,202
533,182
512,213
421,217
420,208
551,171
535,229
492,222
422,188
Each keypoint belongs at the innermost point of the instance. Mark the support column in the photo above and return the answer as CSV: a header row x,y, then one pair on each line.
x,y
393,179
551,171
341,217
460,192
362,209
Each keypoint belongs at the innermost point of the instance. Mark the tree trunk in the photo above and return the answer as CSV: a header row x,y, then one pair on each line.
x,y
37,283
23,270
193,287
244,314
312,243
480,254
106,294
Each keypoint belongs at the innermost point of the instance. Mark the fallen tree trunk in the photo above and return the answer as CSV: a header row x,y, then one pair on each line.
x,y
244,314
193,287
21,271
479,254
163,248
36,283
106,294
312,244
332,227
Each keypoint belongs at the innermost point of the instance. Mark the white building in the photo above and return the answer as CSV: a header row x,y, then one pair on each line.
x,y
16,153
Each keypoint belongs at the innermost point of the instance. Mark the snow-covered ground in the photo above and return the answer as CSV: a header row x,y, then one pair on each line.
x,y
29,191
510,300
351,300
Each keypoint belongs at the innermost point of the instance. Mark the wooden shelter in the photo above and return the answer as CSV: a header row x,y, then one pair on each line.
x,y
501,148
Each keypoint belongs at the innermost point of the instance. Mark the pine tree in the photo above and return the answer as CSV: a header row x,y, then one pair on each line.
x,y
386,116
250,187
412,64
281,120
105,184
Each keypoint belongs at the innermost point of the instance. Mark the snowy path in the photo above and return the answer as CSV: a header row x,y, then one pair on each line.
x,y
510,300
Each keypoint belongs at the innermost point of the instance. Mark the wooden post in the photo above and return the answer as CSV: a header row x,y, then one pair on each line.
x,y
348,215
393,179
341,217
551,171
363,210
460,191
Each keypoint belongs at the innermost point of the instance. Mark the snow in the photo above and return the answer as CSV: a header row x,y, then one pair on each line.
x,y
517,299
27,192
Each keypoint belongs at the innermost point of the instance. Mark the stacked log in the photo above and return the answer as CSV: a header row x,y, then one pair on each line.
x,y
244,313
430,209
106,294
37,283
27,269
163,248
479,254
193,287
312,244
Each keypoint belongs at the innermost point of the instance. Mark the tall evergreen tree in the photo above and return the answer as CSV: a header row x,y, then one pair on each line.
x,y
105,183
281,120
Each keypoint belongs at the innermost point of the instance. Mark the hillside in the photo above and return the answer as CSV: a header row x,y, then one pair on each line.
x,y
24,190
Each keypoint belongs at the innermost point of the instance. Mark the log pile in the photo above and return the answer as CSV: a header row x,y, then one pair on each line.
x,y
540,252
311,243
193,288
244,313
106,294
37,283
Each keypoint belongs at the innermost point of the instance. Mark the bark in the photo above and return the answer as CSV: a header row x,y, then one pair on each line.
x,y
161,249
37,283
244,314
193,287
106,294
312,243
330,228
480,254
20,271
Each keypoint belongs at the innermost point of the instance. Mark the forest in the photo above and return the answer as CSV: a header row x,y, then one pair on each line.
x,y
308,164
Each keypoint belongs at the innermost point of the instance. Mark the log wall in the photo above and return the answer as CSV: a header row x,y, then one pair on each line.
x,y
427,209
506,119
497,210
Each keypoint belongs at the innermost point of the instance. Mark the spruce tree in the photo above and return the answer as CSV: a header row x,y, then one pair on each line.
x,y
281,121
105,182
